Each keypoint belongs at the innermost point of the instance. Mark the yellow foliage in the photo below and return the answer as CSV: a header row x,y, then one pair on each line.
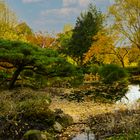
x,y
102,46
126,15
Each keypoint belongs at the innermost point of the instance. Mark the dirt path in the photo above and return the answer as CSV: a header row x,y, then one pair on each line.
x,y
80,113
83,110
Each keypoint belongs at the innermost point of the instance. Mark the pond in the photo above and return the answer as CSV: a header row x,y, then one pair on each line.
x,y
132,95
84,136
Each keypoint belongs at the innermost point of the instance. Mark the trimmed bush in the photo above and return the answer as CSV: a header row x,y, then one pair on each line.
x,y
112,73
93,69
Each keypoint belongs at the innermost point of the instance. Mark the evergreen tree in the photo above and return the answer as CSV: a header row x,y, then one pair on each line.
x,y
87,25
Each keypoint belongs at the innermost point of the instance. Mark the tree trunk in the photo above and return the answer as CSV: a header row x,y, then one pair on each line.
x,y
15,76
122,61
138,46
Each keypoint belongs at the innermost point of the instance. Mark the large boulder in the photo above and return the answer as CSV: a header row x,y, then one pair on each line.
x,y
58,127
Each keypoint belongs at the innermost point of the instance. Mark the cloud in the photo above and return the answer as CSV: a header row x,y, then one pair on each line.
x,y
67,3
82,3
31,1
62,12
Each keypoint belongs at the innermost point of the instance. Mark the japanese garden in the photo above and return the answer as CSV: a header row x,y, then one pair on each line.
x,y
81,83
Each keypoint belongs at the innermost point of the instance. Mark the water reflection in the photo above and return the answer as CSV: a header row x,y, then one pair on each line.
x,y
132,95
84,136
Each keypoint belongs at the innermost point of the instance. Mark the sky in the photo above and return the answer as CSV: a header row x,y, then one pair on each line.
x,y
52,15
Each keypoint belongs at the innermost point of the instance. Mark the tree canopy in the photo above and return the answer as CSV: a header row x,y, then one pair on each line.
x,y
22,56
87,25
126,15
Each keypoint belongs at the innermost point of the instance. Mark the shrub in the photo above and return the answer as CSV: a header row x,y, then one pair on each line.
x,y
134,71
139,63
112,73
21,110
93,69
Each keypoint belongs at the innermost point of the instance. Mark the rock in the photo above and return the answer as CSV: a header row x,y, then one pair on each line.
x,y
58,111
34,135
58,127
44,137
62,118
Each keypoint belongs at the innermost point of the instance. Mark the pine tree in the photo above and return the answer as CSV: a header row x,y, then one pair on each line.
x,y
22,56
87,25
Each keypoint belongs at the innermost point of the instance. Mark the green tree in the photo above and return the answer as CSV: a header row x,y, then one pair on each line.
x,y
64,41
22,56
87,25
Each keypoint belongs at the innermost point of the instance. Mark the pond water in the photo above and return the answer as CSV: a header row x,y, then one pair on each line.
x,y
84,136
132,95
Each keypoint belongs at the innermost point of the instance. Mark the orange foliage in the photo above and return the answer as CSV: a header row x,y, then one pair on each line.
x,y
44,41
102,44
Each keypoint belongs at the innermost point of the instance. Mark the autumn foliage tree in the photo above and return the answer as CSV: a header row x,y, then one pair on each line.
x,y
106,49
41,39
10,28
23,28
102,49
7,16
134,55
126,15
8,21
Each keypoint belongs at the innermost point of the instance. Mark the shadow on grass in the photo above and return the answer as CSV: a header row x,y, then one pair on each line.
x,y
113,124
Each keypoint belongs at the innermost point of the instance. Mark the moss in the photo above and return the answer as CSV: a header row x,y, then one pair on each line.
x,y
49,136
32,135
38,135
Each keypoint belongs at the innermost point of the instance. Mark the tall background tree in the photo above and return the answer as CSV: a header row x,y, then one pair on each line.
x,y
24,29
87,25
7,16
8,20
10,28
126,15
